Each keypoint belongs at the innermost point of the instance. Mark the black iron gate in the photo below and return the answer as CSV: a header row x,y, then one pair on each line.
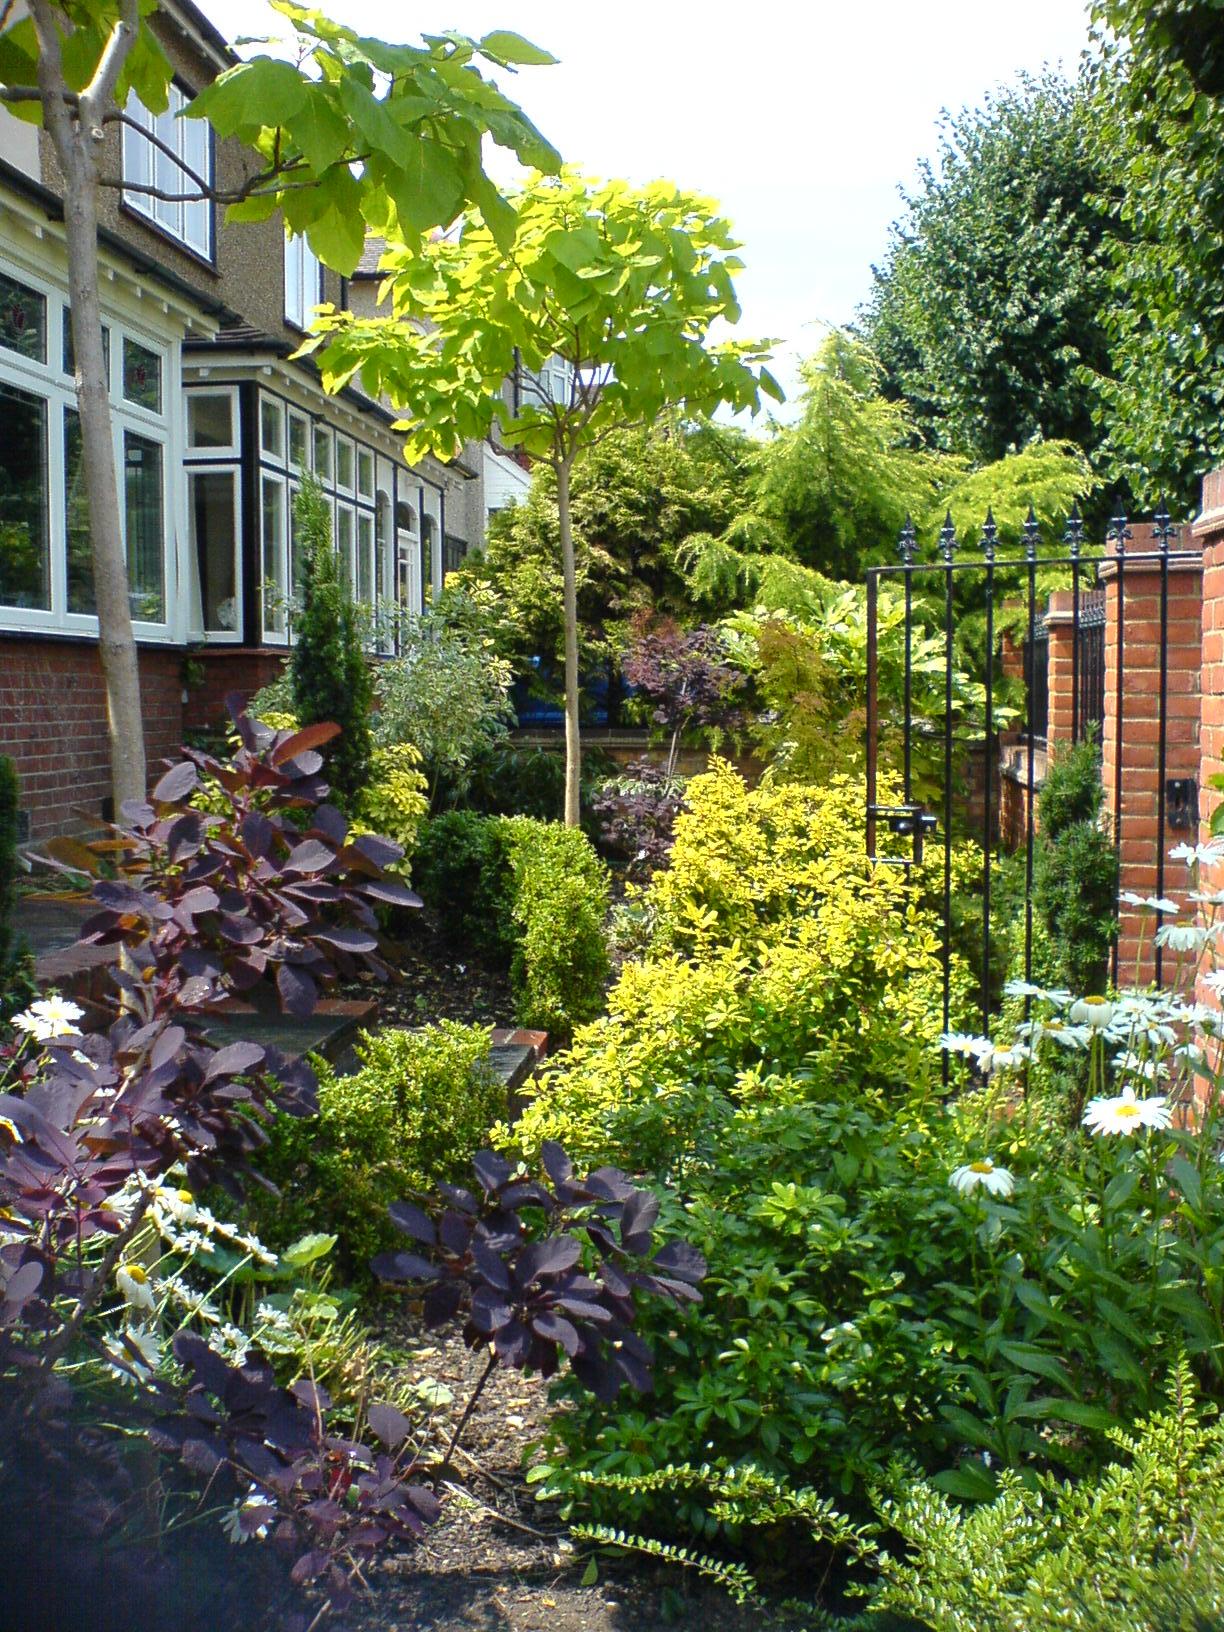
x,y
994,578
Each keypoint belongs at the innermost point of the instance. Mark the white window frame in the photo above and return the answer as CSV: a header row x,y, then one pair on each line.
x,y
46,380
271,635
303,281
296,416
233,449
188,222
209,467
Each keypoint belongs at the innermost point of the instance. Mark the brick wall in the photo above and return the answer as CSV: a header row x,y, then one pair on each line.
x,y
53,724
1209,532
1135,738
224,669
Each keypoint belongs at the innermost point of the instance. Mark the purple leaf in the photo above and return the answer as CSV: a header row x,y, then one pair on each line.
x,y
234,1060
308,857
442,1302
409,1218
403,1266
492,1170
638,1221
555,1329
552,1256
179,781
391,1426
556,1163
297,989
681,1262
349,940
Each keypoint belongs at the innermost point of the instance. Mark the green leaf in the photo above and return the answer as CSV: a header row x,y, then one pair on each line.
x,y
1187,1179
970,1482
251,96
1036,1361
506,47
591,1574
307,1249
319,130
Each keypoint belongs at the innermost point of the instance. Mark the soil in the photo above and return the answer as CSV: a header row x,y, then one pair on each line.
x,y
440,981
500,1560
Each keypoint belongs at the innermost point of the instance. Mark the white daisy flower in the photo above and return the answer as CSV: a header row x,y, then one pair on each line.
x,y
983,1174
1214,982
232,1520
1153,1070
132,1368
50,1017
1093,1012
1127,1114
230,1342
1208,898
1183,937
1059,1031
1148,903
1045,994
1195,855
964,1042
133,1281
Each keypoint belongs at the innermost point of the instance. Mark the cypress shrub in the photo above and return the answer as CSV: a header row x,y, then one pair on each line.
x,y
1075,870
329,673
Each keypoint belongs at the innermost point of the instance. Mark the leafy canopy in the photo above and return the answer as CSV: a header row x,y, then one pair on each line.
x,y
355,136
988,307
623,284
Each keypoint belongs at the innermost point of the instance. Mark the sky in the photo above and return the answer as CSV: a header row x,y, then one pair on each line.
x,y
801,118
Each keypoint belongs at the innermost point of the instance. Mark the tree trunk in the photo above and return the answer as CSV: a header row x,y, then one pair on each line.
x,y
77,141
573,744
116,641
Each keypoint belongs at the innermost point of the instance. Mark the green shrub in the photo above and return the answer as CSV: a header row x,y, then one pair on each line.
x,y
330,674
393,801
1138,1547
415,1113
1075,870
533,894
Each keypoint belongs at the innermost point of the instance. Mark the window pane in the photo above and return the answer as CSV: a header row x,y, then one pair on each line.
x,y
297,551
323,454
299,441
211,504
197,155
344,464
344,544
365,473
25,578
146,549
142,375
23,319
76,519
69,350
273,527
210,419
168,176
272,428
294,307
365,560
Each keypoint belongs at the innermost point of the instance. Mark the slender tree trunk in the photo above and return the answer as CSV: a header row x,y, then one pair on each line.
x,y
77,139
573,744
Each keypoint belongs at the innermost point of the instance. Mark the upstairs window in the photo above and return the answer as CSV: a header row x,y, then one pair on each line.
x,y
172,156
303,282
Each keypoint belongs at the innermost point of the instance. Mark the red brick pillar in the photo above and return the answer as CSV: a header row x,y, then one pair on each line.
x,y
1060,627
1140,732
1209,532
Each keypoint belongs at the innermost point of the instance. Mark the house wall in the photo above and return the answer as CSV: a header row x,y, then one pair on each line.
x,y
53,725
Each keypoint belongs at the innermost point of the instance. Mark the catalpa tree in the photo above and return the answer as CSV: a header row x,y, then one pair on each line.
x,y
354,135
623,285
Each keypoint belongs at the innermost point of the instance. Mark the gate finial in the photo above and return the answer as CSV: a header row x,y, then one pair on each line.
x,y
908,542
1119,531
947,539
1073,533
1032,535
1162,526
990,535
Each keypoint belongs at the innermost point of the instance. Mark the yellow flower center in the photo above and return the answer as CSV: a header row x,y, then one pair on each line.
x,y
136,1272
981,1167
1094,1000
186,1197
1128,1110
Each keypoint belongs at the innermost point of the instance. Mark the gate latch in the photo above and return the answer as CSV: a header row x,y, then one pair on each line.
x,y
914,822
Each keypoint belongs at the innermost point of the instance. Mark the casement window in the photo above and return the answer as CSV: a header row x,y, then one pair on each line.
x,y
291,443
46,552
172,165
303,282
214,513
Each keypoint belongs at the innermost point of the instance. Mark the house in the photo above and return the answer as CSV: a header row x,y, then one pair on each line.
x,y
215,422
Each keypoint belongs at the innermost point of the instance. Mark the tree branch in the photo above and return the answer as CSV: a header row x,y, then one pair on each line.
x,y
116,116
100,91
